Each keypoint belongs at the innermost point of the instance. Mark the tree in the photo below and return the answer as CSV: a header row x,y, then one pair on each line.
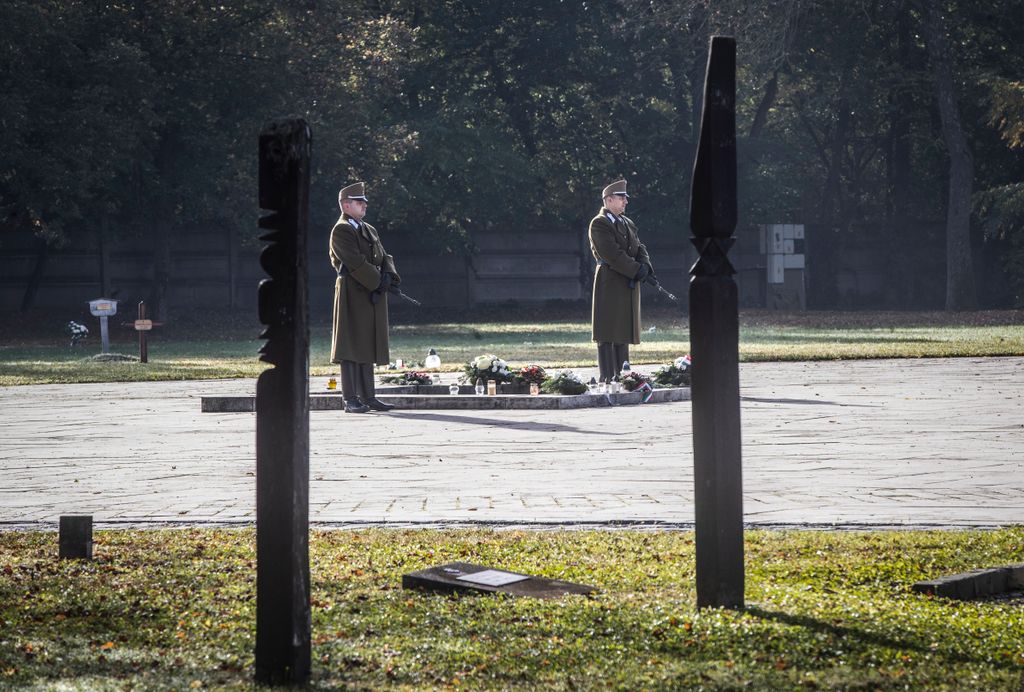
x,y
960,289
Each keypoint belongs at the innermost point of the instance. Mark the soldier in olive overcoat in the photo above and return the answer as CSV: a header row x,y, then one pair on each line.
x,y
365,274
622,266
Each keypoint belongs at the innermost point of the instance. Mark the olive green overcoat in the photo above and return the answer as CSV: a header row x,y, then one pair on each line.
x,y
619,253
360,326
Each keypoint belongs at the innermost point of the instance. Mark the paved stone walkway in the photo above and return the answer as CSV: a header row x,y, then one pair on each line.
x,y
853,443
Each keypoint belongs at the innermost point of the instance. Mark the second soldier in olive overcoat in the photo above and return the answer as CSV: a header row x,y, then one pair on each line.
x,y
365,273
622,260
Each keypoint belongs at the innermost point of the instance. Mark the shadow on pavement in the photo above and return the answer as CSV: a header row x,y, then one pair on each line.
x,y
499,423
820,402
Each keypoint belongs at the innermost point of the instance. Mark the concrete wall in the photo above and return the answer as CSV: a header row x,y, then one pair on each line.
x,y
212,270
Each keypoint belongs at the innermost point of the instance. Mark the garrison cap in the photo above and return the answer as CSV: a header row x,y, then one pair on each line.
x,y
353,191
616,188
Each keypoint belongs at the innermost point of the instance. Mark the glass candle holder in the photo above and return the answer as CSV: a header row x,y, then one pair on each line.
x,y
479,388
432,361
534,389
453,389
492,387
332,383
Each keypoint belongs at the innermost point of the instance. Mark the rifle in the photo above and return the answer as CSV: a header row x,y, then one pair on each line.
x,y
654,282
375,296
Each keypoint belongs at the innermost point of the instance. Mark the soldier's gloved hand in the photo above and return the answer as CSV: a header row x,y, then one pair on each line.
x,y
642,273
386,279
651,278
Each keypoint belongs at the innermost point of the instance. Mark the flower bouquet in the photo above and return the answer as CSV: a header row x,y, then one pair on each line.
x,y
565,382
531,374
408,377
77,332
486,367
675,375
638,382
634,380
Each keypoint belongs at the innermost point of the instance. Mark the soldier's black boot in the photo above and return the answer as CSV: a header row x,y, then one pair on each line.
x,y
605,361
368,393
349,387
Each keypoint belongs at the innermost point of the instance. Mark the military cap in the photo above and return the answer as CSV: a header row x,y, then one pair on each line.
x,y
616,188
353,191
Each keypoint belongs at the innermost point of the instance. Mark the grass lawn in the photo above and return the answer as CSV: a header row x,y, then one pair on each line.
x,y
176,609
222,347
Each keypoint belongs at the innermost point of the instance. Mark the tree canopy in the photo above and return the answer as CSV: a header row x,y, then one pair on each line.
x,y
463,115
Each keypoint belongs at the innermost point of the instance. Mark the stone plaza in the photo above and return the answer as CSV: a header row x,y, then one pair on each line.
x,y
851,444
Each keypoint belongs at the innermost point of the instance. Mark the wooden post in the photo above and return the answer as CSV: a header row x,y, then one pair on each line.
x,y
714,335
282,411
74,537
143,346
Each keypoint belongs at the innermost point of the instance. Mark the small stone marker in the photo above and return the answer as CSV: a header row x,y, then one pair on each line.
x,y
463,577
978,583
75,537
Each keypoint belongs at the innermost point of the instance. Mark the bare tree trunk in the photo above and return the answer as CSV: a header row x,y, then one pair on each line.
x,y
158,297
232,269
28,299
898,173
103,236
960,288
771,89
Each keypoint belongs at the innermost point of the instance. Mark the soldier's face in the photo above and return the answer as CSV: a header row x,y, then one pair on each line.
x,y
356,208
616,204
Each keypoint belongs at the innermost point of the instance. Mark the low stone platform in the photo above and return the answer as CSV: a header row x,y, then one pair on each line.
x,y
405,398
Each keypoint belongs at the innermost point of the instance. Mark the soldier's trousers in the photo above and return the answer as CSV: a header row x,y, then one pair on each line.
x,y
610,358
357,381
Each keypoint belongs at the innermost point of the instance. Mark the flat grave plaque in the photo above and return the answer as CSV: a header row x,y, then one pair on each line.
x,y
464,577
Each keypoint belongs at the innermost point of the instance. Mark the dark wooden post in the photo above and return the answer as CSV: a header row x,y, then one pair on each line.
x,y
714,336
143,334
282,411
74,538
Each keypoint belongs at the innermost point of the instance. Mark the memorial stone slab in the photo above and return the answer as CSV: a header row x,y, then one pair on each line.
x,y
464,577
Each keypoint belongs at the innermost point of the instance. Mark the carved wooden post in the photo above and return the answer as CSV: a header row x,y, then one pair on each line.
x,y
714,335
282,411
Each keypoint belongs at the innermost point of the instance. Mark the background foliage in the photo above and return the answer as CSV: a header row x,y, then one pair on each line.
x,y
141,118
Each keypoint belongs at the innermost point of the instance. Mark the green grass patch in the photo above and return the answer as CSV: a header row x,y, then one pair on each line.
x,y
176,609
229,348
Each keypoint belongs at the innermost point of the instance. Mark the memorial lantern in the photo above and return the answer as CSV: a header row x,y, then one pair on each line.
x,y
432,361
